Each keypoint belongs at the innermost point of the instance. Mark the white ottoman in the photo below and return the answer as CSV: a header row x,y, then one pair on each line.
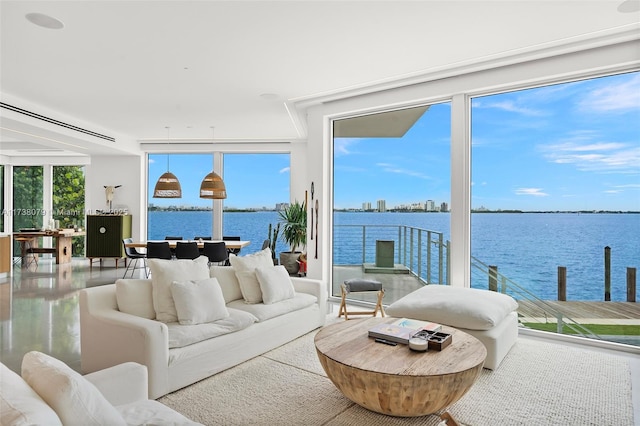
x,y
488,316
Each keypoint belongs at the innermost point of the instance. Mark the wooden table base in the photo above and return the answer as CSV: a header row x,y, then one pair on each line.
x,y
394,380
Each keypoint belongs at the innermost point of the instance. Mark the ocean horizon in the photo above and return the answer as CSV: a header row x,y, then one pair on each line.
x,y
527,248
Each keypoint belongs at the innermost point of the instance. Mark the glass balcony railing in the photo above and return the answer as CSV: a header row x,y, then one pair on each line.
x,y
424,255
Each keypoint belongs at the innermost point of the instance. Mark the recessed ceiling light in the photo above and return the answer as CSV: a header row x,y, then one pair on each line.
x,y
44,21
269,96
629,6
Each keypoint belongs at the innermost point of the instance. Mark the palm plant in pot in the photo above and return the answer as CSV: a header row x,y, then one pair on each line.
x,y
294,232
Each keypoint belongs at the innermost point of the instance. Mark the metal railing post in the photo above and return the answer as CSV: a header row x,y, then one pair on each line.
x,y
420,253
441,257
364,244
429,256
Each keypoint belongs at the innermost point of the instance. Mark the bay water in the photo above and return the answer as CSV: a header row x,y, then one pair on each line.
x,y
526,247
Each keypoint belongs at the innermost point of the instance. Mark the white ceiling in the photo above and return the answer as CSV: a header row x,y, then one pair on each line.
x,y
129,69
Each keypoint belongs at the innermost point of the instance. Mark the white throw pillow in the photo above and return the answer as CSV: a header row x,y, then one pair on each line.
x,y
76,400
135,297
275,284
228,281
252,261
21,405
198,302
164,272
454,306
249,286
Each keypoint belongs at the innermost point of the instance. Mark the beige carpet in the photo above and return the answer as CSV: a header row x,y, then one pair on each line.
x,y
535,385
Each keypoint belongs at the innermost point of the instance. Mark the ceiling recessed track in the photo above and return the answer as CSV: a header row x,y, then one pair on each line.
x,y
56,122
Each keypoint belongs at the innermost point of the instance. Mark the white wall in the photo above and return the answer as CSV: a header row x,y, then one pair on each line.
x,y
128,171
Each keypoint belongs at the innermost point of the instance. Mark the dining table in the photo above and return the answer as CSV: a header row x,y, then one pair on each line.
x,y
230,244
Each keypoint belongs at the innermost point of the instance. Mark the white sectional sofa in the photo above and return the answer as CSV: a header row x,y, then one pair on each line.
x,y
189,322
50,393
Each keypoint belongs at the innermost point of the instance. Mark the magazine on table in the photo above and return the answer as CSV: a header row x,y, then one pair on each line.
x,y
418,325
401,330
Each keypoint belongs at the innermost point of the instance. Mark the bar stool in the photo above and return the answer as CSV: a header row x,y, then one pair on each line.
x,y
27,254
359,285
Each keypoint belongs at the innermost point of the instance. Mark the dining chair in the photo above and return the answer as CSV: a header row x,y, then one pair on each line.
x,y
216,252
198,238
134,256
187,250
172,238
231,251
27,254
158,250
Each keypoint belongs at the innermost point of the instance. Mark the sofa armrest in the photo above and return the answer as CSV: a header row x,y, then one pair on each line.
x,y
109,337
316,288
122,384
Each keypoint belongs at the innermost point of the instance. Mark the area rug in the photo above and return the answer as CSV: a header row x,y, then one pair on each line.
x,y
536,384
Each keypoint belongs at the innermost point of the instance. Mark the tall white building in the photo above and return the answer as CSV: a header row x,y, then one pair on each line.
x,y
366,206
382,205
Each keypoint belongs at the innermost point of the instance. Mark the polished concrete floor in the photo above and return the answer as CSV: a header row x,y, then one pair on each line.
x,y
39,308
39,311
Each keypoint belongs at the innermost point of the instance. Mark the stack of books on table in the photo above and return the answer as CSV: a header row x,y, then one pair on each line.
x,y
401,330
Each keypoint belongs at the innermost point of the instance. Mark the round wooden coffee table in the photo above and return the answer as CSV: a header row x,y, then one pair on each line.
x,y
395,380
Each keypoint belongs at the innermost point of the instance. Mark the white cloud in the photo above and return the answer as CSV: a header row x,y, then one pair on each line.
x,y
584,149
341,146
511,106
390,168
604,157
536,192
621,97
285,170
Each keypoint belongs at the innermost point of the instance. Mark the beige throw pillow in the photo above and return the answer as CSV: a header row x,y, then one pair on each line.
x,y
198,302
135,297
249,286
252,261
164,272
275,284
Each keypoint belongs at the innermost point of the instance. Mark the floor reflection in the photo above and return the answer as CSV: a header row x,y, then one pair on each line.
x,y
39,309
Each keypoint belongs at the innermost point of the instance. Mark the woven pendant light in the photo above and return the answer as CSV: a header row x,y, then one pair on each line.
x,y
212,186
168,185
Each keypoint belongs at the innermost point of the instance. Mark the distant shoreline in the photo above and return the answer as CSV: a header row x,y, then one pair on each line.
x,y
254,210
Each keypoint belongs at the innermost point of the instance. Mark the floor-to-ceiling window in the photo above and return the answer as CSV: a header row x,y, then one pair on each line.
x,y
28,210
188,216
556,191
391,188
256,185
69,201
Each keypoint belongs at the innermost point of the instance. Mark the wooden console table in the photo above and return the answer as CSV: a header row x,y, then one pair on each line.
x,y
63,238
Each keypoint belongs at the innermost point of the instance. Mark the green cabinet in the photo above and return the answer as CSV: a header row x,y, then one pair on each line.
x,y
105,234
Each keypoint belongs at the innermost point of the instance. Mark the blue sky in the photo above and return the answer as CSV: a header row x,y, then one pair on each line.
x,y
572,146
252,180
